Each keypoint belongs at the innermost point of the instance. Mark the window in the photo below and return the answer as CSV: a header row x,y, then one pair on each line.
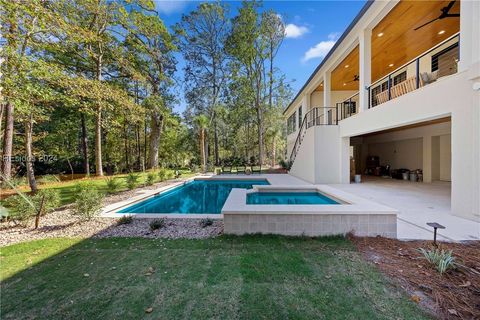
x,y
300,119
446,61
291,123
399,78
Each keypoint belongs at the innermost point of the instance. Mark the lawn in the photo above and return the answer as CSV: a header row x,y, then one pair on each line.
x,y
250,277
67,189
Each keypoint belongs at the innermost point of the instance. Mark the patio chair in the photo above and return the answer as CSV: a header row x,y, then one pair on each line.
x,y
256,169
241,169
226,169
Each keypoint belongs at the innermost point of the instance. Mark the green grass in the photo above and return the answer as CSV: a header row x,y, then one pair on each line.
x,y
253,277
67,189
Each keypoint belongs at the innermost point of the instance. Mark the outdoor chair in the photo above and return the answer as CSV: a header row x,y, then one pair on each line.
x,y
256,169
241,169
226,169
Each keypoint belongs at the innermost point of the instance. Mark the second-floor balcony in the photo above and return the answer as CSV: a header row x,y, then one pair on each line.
x,y
429,67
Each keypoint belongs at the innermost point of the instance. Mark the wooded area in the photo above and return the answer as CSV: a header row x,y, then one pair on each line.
x,y
90,86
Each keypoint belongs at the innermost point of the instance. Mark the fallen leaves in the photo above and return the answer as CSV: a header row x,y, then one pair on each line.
x,y
150,271
415,298
453,312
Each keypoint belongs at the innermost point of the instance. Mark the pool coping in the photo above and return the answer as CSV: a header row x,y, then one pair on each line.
x,y
112,210
236,202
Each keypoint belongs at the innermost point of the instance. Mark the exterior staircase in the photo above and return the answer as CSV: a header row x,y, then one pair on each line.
x,y
314,117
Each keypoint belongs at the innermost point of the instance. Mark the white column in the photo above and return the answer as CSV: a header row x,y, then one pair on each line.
x,y
469,34
327,94
427,159
365,62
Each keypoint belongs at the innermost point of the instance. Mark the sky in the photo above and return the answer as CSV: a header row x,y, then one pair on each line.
x,y
312,28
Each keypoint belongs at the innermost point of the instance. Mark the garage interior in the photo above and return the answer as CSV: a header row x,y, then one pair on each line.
x,y
419,152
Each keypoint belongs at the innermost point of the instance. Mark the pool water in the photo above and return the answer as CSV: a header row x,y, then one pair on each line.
x,y
198,196
289,198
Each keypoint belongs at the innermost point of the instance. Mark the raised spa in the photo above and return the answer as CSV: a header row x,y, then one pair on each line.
x,y
289,198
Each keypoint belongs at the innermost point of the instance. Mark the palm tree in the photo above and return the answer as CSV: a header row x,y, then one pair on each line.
x,y
202,123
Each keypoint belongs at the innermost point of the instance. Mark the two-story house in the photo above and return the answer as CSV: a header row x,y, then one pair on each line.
x,y
400,90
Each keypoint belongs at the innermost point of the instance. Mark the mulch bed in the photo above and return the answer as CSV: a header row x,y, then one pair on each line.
x,y
453,295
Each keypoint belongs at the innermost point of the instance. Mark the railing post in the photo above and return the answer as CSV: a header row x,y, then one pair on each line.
x,y
389,86
417,73
336,115
369,98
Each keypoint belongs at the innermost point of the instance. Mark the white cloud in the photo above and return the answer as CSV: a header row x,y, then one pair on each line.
x,y
321,49
170,6
294,31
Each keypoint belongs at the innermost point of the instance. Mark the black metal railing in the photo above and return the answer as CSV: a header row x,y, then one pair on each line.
x,y
402,80
349,106
317,116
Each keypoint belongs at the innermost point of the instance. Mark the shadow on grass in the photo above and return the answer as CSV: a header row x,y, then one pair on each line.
x,y
225,277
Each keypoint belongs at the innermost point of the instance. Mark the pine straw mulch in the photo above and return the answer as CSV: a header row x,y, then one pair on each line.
x,y
453,295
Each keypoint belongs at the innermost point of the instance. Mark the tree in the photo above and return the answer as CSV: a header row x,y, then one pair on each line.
x,y
149,48
201,122
202,35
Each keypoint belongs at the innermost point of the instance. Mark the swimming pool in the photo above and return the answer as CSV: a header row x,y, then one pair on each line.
x,y
194,197
289,198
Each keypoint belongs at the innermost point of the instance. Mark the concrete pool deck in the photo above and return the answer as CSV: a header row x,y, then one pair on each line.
x,y
416,203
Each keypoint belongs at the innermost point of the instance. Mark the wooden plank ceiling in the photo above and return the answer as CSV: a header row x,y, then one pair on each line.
x,y
395,42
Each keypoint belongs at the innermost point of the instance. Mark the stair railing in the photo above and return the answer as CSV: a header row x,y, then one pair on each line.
x,y
329,116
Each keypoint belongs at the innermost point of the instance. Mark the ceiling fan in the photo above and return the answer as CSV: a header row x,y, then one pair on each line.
x,y
355,78
445,14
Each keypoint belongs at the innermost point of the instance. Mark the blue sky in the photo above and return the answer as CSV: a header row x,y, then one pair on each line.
x,y
312,29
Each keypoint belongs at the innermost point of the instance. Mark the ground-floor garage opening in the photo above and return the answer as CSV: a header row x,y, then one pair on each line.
x,y
418,152
409,168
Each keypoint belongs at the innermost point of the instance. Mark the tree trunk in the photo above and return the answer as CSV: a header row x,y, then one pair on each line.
x,y
274,151
98,122
138,147
125,133
202,149
98,142
86,164
29,155
2,111
156,130
8,142
215,140
259,120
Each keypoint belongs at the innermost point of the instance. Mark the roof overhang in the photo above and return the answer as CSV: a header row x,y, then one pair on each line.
x,y
329,54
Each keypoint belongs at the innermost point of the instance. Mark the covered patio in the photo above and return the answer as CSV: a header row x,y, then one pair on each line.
x,y
418,203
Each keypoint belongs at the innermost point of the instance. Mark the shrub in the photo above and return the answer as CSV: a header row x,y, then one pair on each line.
x,y
113,185
51,202
206,222
151,177
14,182
132,180
162,174
442,260
22,207
194,168
125,220
170,175
285,164
49,178
218,171
157,224
88,202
